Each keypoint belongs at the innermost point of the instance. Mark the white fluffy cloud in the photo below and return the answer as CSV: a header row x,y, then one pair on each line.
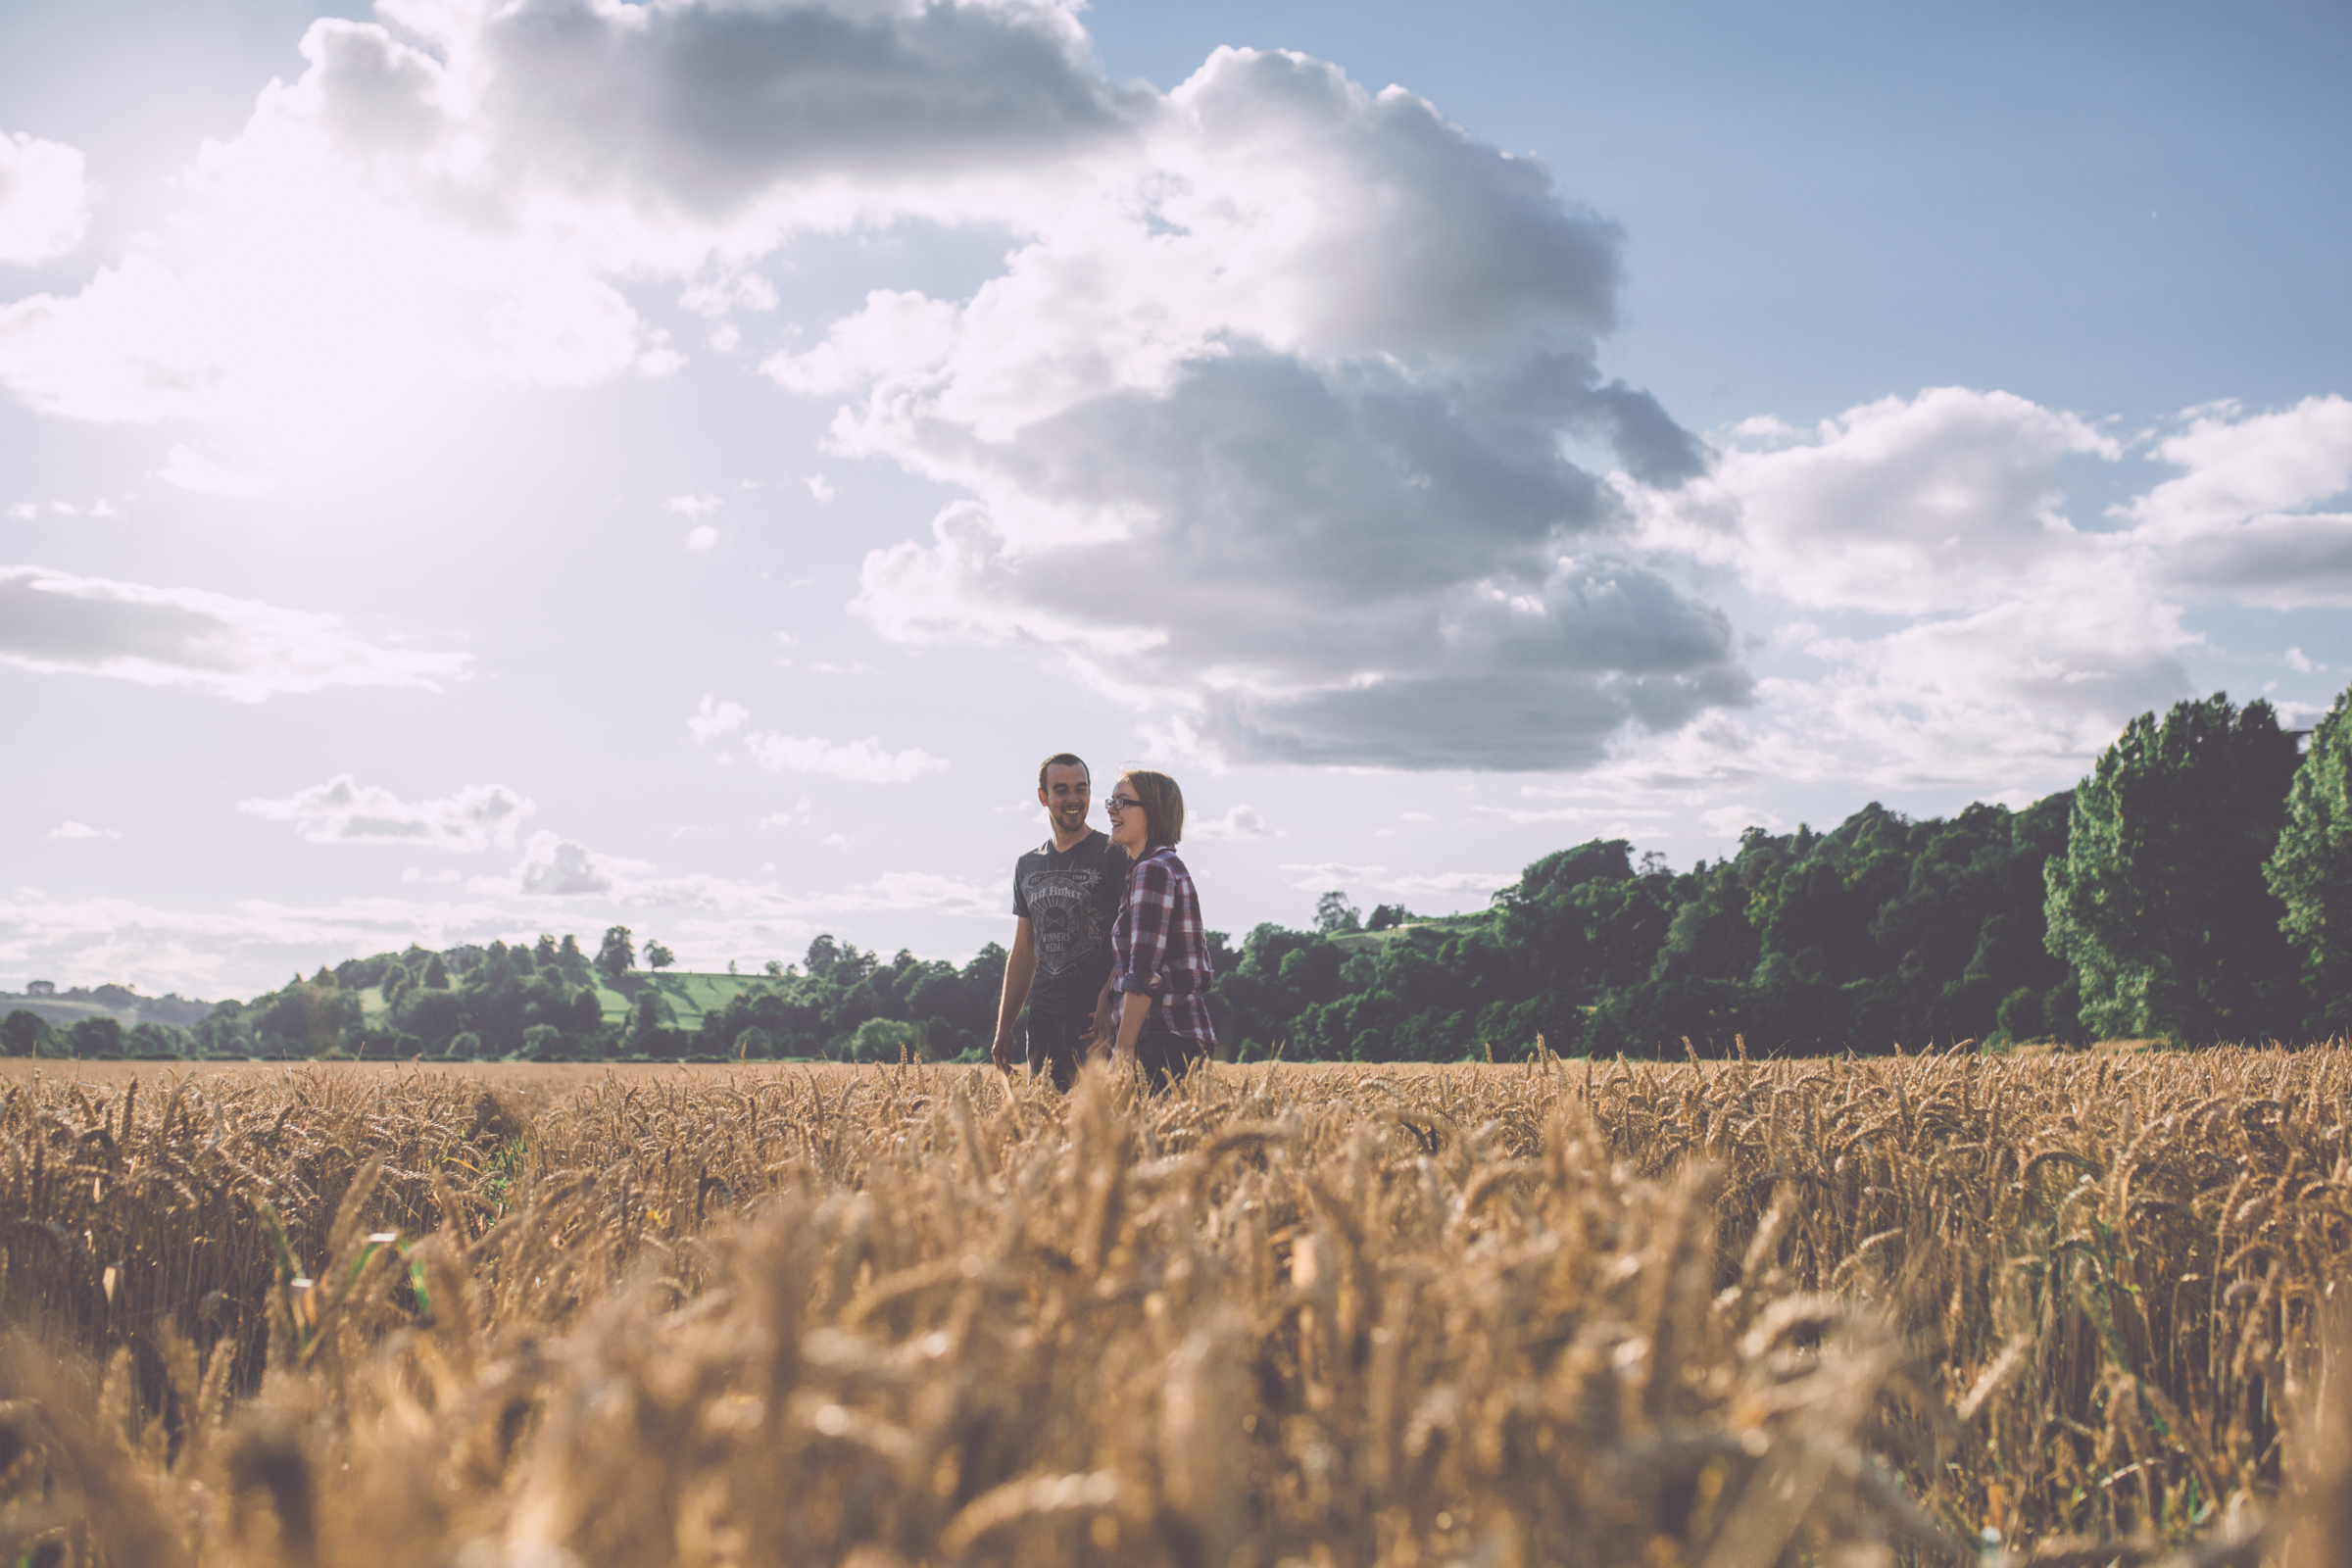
x,y
2246,518
1954,625
71,831
1902,506
452,193
54,623
343,810
1238,822
561,867
44,198
865,762
1271,432
1334,339
712,718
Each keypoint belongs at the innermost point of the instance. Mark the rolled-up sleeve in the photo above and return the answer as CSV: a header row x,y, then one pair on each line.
x,y
1149,916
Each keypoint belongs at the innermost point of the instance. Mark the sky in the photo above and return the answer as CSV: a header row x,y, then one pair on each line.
x,y
470,471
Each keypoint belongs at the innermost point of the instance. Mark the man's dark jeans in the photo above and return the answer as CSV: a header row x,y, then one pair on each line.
x,y
1057,1045
1166,1057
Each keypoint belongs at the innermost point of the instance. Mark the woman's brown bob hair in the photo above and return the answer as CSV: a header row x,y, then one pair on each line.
x,y
1163,806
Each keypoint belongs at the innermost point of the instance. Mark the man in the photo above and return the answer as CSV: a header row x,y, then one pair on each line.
x,y
1065,895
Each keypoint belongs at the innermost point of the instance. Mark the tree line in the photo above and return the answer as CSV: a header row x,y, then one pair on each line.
x,y
2196,887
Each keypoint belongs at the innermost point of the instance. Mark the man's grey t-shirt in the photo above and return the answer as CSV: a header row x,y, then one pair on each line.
x,y
1070,900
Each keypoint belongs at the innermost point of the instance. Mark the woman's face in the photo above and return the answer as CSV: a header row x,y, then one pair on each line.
x,y
1128,824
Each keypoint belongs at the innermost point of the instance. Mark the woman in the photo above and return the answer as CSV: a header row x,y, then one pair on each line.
x,y
1159,954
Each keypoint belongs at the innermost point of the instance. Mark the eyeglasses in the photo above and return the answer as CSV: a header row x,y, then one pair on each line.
x,y
1122,803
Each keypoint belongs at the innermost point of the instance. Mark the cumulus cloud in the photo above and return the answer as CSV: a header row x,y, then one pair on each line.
x,y
864,761
449,193
1900,506
1333,342
343,810
54,623
71,830
2246,517
45,199
1341,337
712,718
2241,465
701,540
1347,563
1240,822
559,867
1953,625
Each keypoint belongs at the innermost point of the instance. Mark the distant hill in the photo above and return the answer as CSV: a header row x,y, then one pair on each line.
x,y
65,1009
690,996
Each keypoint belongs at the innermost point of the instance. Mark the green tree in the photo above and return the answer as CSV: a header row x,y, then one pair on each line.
x,y
570,962
436,974
2158,901
97,1037
22,1033
649,1026
1334,914
2311,870
658,958
618,955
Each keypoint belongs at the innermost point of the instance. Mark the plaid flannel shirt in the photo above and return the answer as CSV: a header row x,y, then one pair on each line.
x,y
1158,949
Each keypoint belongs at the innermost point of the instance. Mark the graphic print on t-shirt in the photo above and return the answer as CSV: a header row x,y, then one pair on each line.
x,y
1064,911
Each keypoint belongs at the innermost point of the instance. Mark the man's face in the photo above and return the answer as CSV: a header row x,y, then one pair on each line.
x,y
1067,795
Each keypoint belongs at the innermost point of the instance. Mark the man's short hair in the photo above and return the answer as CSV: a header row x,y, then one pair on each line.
x,y
1062,760
1163,806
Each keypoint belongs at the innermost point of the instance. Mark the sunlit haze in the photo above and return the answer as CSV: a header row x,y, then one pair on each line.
x,y
474,469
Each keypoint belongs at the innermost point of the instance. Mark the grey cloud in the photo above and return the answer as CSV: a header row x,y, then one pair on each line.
x,y
707,106
1449,244
1505,720
560,868
54,623
2281,562
1653,448
343,810
1264,468
38,622
1401,574
1558,387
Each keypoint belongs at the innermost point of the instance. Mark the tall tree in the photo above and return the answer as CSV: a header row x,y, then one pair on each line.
x,y
618,955
1334,914
570,959
2159,902
2311,870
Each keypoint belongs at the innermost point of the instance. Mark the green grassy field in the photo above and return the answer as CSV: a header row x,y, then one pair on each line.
x,y
689,995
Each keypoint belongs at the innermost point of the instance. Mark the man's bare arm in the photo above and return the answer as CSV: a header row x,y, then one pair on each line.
x,y
1020,968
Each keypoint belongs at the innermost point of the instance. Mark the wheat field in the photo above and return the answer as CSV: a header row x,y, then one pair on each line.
x,y
2064,1308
